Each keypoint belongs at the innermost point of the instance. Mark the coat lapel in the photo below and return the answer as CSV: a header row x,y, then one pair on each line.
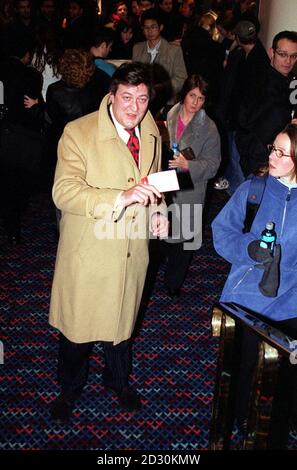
x,y
148,151
148,136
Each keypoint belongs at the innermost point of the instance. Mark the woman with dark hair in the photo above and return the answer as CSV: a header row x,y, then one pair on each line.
x,y
270,292
123,42
46,57
198,140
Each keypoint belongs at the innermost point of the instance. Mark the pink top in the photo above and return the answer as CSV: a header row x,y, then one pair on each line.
x,y
180,128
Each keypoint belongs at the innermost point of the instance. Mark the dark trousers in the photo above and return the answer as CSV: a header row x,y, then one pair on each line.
x,y
73,365
178,263
15,191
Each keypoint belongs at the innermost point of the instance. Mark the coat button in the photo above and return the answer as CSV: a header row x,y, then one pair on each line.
x,y
131,180
128,255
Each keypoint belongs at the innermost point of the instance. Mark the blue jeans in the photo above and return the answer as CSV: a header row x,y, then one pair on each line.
x,y
233,171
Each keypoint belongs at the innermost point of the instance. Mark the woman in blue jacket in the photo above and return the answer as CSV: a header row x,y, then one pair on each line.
x,y
279,205
278,303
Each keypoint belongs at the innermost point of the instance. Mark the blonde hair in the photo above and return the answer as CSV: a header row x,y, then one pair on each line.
x,y
208,22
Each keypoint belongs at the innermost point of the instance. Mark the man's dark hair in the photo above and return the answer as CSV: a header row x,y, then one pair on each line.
x,y
289,35
246,41
151,14
102,35
80,3
193,81
139,1
132,73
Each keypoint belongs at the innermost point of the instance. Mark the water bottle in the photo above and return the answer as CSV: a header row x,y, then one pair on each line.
x,y
175,149
176,153
268,236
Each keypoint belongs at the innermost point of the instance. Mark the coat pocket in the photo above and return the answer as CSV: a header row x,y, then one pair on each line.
x,y
247,280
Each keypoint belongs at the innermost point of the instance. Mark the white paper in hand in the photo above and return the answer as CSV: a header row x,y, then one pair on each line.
x,y
163,181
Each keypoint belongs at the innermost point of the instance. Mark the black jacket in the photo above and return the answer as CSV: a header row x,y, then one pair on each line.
x,y
19,80
66,103
262,119
242,79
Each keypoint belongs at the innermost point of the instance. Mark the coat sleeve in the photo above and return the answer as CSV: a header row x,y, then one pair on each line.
x,y
71,192
206,166
179,72
136,52
228,239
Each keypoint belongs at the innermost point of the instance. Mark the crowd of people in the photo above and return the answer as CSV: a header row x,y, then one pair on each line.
x,y
195,69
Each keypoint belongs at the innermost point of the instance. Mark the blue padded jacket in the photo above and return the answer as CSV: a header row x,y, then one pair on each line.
x,y
279,205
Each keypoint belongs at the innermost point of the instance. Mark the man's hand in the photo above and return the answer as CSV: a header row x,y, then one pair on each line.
x,y
143,194
159,225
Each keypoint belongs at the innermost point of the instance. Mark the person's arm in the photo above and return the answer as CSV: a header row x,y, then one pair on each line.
x,y
228,239
179,73
207,163
71,192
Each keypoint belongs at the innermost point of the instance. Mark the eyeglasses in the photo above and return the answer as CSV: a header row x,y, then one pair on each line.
x,y
278,152
285,55
153,26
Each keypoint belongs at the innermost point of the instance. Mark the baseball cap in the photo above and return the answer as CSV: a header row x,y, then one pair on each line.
x,y
245,30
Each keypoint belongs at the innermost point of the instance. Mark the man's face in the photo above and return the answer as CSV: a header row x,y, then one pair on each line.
x,y
151,30
166,5
187,9
106,49
135,7
24,9
75,10
47,8
129,104
145,5
284,57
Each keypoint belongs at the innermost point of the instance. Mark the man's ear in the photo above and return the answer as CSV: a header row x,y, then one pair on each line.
x,y
111,97
161,27
270,53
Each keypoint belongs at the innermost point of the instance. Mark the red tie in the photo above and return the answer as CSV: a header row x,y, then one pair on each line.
x,y
133,144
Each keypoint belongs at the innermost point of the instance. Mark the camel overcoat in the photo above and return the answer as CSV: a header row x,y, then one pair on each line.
x,y
101,259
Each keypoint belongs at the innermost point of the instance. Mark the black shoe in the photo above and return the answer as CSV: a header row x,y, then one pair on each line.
x,y
293,423
14,240
62,408
173,292
127,397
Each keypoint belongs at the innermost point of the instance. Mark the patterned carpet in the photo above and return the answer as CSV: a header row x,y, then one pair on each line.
x,y
174,355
